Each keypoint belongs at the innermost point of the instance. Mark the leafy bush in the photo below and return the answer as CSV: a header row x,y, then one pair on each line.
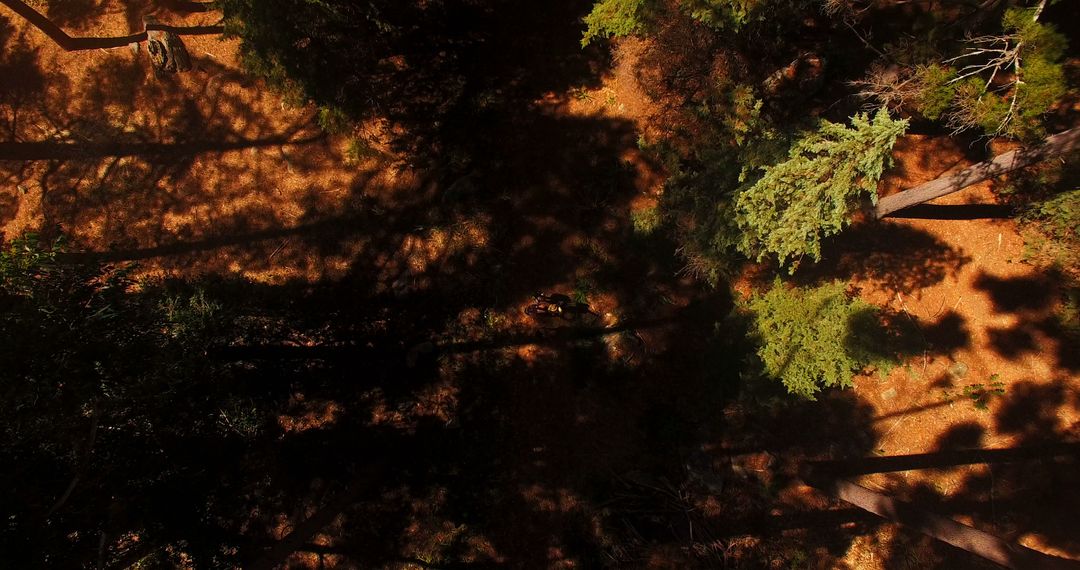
x,y
981,395
1052,231
813,338
1047,199
975,107
240,417
735,139
24,262
1058,216
333,120
1068,314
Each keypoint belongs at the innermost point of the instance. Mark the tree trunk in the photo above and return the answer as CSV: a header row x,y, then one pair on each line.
x,y
69,43
167,51
973,540
1055,145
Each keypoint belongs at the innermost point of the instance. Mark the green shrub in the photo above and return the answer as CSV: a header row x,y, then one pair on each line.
x,y
1058,217
721,14
240,416
646,220
333,120
583,287
976,107
1048,200
813,338
935,92
190,317
1068,314
616,18
359,149
981,395
24,262
1040,83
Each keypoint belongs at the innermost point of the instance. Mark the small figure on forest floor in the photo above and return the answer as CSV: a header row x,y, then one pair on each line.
x,y
557,305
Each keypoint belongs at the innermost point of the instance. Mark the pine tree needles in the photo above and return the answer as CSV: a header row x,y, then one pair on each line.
x,y
813,193
816,337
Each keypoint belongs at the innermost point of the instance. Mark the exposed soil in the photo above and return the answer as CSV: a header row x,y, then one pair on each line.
x,y
209,174
989,325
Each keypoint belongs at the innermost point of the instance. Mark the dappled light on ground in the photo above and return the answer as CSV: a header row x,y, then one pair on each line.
x,y
387,400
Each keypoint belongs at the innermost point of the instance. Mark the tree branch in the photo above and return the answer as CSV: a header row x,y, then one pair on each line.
x,y
69,43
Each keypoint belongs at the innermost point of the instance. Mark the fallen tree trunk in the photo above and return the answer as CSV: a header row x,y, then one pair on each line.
x,y
940,459
1055,145
970,539
69,43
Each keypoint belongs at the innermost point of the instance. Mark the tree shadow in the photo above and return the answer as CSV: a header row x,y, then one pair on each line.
x,y
1034,301
502,446
1010,492
956,212
433,72
73,12
24,81
1018,294
948,334
895,256
1019,497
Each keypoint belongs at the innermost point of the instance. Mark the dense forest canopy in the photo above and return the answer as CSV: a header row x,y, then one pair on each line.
x,y
600,283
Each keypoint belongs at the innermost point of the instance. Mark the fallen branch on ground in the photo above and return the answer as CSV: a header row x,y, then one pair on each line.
x,y
1056,145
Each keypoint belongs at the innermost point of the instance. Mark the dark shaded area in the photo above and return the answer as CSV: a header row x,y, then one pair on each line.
x,y
1036,302
947,334
307,423
900,257
1013,343
73,12
433,70
1031,410
1017,294
967,435
23,79
956,212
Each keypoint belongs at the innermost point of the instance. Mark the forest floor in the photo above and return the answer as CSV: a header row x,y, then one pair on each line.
x,y
208,175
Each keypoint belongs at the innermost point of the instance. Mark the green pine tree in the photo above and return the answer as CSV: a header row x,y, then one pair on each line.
x,y
814,192
813,338
616,18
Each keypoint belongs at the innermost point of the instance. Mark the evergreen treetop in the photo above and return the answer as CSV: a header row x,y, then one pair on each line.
x,y
813,193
